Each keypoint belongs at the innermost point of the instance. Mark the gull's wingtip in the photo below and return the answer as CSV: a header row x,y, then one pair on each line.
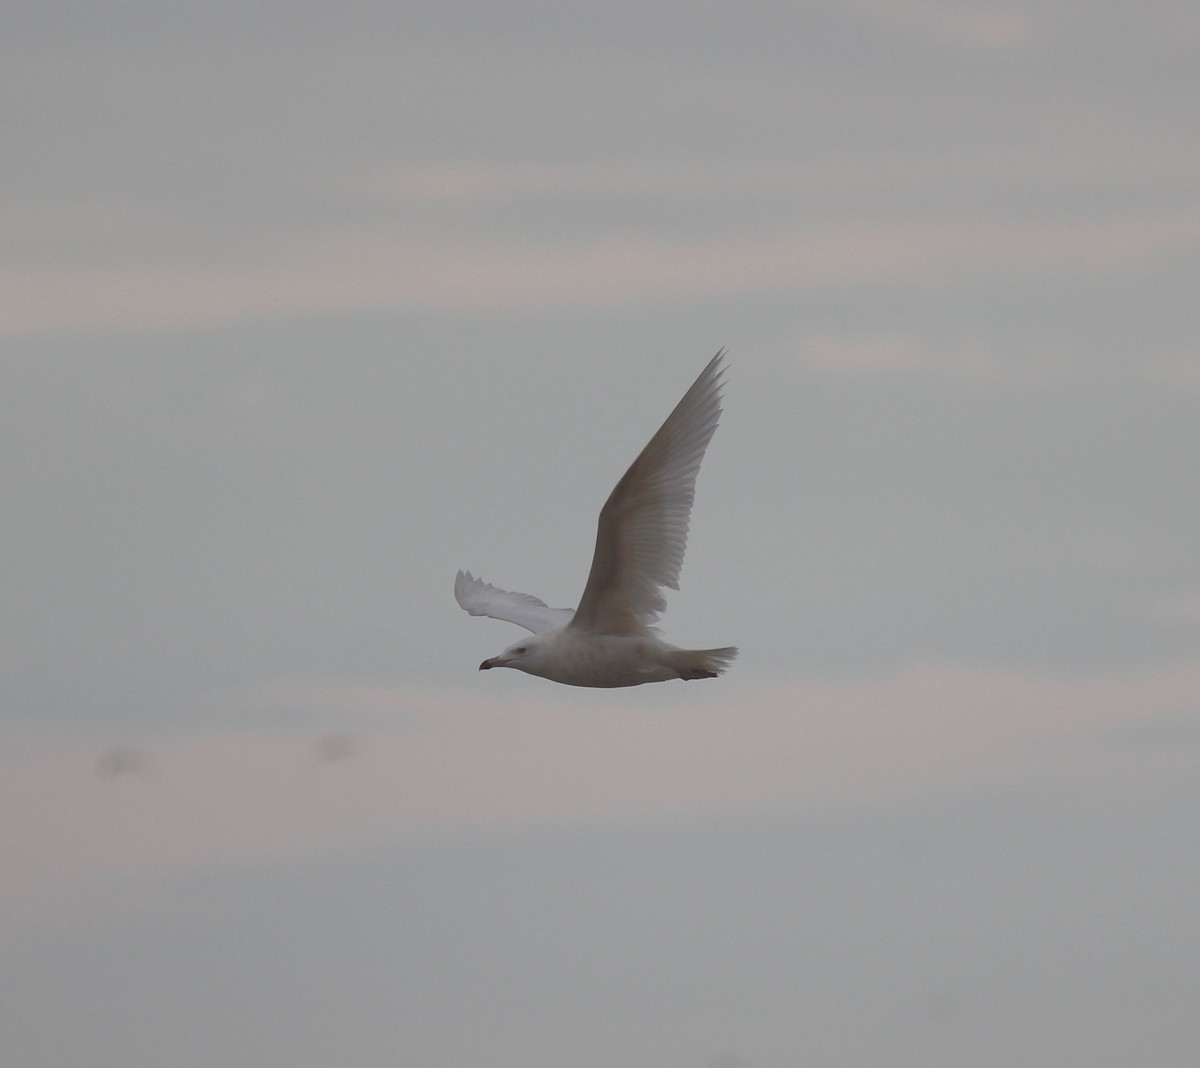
x,y
464,583
716,368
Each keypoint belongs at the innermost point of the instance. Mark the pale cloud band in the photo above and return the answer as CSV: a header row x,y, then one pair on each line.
x,y
350,270
442,771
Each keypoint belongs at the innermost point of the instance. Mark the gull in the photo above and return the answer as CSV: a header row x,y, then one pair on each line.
x,y
610,639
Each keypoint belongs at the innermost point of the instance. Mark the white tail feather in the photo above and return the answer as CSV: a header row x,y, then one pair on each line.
x,y
701,663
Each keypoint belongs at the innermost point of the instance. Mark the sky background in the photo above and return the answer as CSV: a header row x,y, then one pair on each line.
x,y
305,306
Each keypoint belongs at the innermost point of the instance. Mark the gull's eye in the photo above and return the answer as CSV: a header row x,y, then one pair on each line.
x,y
521,650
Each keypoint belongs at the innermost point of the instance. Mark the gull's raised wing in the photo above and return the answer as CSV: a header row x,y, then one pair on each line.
x,y
643,528
483,599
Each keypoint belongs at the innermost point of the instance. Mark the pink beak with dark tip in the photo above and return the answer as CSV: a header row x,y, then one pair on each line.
x,y
490,662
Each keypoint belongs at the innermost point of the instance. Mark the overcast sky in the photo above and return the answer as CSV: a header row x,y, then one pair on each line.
x,y
304,306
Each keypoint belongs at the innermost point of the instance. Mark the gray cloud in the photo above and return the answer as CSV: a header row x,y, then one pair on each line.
x,y
303,307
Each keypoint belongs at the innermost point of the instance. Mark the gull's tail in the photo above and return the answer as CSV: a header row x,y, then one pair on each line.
x,y
701,663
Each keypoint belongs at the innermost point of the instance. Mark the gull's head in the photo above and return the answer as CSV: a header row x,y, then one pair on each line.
x,y
525,655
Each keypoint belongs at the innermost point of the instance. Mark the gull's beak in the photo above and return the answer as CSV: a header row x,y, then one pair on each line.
x,y
490,662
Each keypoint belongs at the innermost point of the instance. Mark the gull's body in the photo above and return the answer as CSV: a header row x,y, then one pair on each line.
x,y
610,640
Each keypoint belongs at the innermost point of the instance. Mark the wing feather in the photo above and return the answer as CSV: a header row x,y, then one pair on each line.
x,y
642,533
481,598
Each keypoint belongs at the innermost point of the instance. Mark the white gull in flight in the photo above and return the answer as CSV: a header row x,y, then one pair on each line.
x,y
610,640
